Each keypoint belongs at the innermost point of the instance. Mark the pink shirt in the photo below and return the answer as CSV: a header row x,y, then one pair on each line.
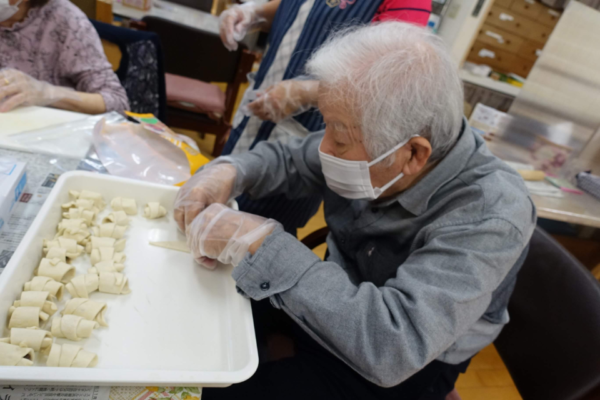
x,y
56,43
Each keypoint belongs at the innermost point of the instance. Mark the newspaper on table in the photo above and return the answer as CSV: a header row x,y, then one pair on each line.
x,y
42,172
8,392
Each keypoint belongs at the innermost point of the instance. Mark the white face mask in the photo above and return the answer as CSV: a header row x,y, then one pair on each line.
x,y
7,11
351,179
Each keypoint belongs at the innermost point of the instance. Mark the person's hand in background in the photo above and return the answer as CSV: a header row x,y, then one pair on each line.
x,y
236,21
19,89
222,234
213,184
285,99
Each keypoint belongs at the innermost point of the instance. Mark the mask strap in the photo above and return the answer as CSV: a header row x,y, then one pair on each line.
x,y
387,154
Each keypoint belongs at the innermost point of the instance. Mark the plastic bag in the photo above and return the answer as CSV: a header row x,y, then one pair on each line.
x,y
131,151
72,139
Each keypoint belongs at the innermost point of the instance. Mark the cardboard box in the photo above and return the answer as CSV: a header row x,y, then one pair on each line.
x,y
13,179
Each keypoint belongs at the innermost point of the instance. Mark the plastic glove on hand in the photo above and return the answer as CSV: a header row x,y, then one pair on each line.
x,y
284,99
213,184
19,89
220,233
236,22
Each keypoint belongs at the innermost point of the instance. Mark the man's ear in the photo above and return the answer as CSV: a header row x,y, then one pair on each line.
x,y
420,151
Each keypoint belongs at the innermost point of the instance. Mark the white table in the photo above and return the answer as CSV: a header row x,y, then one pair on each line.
x,y
173,12
34,118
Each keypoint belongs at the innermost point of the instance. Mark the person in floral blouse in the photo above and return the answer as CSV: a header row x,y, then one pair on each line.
x,y
51,55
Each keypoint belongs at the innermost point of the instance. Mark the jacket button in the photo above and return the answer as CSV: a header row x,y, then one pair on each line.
x,y
265,286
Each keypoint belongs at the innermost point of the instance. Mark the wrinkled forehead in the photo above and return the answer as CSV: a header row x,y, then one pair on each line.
x,y
340,112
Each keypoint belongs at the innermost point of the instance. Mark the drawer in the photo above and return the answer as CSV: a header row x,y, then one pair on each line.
x,y
527,8
509,21
503,3
538,32
482,53
549,17
520,66
530,50
500,39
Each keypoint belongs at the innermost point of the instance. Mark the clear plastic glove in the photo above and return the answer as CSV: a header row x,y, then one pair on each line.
x,y
213,184
285,99
19,89
237,21
222,234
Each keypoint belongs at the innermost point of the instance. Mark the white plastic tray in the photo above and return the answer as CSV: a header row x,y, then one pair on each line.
x,y
181,325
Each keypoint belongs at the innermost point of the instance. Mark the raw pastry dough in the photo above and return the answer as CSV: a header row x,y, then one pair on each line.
x,y
106,254
118,217
88,216
114,283
36,339
88,309
154,210
88,195
83,204
97,242
45,284
57,254
110,230
83,285
12,355
106,266
73,249
26,317
73,229
43,300
72,327
57,270
69,355
124,204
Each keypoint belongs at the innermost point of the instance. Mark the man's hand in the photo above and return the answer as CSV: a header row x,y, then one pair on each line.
x,y
19,89
222,234
214,184
284,99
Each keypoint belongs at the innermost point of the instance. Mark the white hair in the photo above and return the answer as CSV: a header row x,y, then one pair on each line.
x,y
401,80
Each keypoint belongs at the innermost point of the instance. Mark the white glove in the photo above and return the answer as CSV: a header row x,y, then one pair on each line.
x,y
237,21
285,99
215,183
220,233
19,89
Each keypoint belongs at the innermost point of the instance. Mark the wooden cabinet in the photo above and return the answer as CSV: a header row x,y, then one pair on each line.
x,y
530,50
499,60
549,17
527,8
500,39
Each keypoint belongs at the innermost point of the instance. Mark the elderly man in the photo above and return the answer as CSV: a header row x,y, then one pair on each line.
x,y
428,229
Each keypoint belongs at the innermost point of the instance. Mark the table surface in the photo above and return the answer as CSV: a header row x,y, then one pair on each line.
x,y
173,12
489,83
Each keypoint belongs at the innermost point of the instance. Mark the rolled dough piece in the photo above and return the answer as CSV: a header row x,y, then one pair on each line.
x,y
57,270
83,285
88,309
88,216
68,355
73,249
95,197
124,204
26,317
72,327
97,242
71,226
110,230
45,284
106,266
37,339
117,217
43,300
154,210
114,283
57,254
12,355
106,254
85,204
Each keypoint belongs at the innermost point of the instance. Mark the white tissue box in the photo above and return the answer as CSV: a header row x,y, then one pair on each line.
x,y
12,183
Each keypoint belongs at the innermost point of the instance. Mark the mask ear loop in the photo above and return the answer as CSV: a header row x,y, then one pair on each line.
x,y
379,191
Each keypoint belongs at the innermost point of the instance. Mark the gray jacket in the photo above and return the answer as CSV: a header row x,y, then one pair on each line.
x,y
425,275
